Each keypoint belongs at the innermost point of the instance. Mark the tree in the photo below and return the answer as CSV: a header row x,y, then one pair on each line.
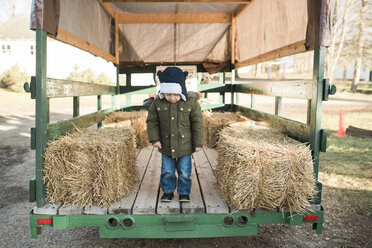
x,y
88,76
341,26
358,62
14,79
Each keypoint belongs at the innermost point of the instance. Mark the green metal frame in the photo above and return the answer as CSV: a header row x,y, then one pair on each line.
x,y
175,226
171,226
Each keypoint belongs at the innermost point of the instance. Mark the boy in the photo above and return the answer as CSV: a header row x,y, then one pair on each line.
x,y
175,126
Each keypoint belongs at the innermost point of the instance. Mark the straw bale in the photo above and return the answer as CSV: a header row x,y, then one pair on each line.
x,y
91,167
264,169
134,119
214,122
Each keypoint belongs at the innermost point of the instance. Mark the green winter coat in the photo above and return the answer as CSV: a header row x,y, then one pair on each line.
x,y
178,126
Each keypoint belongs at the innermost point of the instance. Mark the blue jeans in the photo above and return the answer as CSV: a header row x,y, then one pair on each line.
x,y
168,179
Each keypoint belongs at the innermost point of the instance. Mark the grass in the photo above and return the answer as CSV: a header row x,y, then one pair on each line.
x,y
347,166
348,156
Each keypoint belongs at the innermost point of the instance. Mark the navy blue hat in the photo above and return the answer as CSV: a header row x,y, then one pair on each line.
x,y
172,81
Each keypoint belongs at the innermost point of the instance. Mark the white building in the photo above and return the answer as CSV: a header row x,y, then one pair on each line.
x,y
17,44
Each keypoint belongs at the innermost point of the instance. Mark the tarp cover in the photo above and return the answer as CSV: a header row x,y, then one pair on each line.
x,y
262,27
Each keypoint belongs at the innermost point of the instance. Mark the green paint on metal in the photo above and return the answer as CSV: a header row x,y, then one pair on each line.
x,y
308,118
132,90
232,94
42,113
253,101
323,140
33,138
32,190
99,107
210,106
214,88
318,199
328,89
278,105
316,106
76,106
174,226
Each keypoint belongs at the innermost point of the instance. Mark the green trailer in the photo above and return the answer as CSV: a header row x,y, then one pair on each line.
x,y
212,35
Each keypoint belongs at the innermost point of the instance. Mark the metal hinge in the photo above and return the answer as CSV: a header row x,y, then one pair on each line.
x,y
30,87
328,89
323,140
33,138
32,190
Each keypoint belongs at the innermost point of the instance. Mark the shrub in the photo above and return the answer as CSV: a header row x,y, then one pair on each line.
x,y
13,79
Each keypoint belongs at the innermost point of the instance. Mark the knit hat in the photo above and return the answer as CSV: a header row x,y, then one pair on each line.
x,y
172,81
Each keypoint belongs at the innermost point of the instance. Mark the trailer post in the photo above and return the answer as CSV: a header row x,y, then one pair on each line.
x,y
42,113
316,114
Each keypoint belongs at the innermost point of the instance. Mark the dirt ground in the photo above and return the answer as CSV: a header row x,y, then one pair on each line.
x,y
343,227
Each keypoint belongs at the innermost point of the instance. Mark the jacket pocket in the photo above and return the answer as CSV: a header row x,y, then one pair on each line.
x,y
185,142
184,116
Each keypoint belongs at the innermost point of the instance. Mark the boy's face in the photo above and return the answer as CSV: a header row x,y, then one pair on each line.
x,y
172,98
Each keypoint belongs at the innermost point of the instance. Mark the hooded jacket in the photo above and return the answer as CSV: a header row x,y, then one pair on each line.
x,y
178,126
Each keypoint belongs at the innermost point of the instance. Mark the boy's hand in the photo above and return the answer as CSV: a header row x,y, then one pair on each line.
x,y
157,145
197,149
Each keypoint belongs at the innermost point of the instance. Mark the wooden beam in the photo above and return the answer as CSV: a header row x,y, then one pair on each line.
x,y
242,8
78,42
232,42
176,18
108,8
60,128
301,89
117,38
175,1
291,49
65,88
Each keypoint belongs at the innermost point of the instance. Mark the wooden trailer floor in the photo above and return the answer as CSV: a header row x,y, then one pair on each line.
x,y
145,198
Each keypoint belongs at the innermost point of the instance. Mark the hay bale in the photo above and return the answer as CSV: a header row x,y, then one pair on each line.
x,y
134,119
214,122
264,169
91,167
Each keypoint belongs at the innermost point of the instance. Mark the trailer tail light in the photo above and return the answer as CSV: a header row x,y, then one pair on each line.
x,y
310,218
44,221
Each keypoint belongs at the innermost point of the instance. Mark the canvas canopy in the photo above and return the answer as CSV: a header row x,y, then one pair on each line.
x,y
213,33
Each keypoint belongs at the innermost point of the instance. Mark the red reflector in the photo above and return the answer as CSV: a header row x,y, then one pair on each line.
x,y
310,217
44,221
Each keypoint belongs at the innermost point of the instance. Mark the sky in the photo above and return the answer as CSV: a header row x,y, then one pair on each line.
x,y
20,7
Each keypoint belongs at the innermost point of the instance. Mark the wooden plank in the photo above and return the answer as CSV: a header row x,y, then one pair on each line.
x,y
54,130
291,88
117,38
64,88
46,209
69,38
208,184
176,1
212,156
359,132
233,36
172,207
297,47
125,205
70,210
293,129
108,8
175,18
214,88
146,200
95,210
196,204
